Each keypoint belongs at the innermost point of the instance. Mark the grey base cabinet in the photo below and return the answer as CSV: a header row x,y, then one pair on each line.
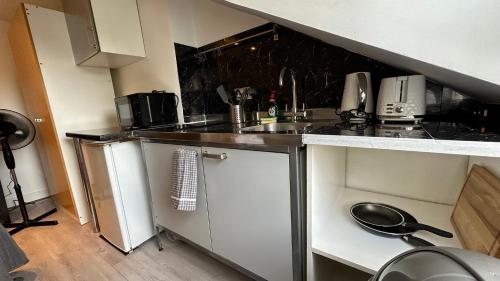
x,y
243,206
191,225
248,197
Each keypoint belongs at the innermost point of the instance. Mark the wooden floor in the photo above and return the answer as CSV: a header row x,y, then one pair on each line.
x,y
70,252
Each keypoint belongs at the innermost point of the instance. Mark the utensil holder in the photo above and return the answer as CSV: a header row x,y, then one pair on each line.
x,y
237,113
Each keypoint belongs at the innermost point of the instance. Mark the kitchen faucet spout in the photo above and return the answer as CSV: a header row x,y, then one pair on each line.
x,y
283,71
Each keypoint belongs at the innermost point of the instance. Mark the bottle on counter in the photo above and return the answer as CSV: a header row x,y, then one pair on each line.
x,y
272,112
273,106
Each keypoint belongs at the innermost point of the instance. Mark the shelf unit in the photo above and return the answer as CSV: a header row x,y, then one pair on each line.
x,y
335,235
424,184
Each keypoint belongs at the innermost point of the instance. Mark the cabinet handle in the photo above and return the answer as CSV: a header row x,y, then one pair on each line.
x,y
221,156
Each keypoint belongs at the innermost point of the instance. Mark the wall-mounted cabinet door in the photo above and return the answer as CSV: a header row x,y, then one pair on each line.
x,y
191,225
249,205
81,29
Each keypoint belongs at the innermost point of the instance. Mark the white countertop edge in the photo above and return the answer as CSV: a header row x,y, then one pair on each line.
x,y
474,148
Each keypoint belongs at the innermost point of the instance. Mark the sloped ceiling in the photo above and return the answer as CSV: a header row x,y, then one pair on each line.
x,y
8,7
454,42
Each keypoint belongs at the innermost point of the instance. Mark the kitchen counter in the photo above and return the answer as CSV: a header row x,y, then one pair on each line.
x,y
104,134
331,208
223,134
434,137
427,130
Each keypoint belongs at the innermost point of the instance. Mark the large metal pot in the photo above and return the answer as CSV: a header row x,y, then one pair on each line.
x,y
440,264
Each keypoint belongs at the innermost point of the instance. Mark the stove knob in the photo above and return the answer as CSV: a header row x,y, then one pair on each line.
x,y
399,109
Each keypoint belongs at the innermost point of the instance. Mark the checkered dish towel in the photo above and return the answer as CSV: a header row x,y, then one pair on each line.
x,y
184,180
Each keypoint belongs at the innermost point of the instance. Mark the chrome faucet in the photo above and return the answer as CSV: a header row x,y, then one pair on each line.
x,y
294,113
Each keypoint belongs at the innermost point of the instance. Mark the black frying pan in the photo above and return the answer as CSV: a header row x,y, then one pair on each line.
x,y
385,218
398,231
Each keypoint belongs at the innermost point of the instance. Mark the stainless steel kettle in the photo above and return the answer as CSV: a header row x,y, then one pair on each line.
x,y
357,97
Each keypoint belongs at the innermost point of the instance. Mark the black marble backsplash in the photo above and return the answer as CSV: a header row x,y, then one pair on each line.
x,y
320,71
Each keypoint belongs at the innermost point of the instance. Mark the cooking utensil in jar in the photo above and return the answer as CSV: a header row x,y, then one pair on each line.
x,y
222,93
386,216
238,96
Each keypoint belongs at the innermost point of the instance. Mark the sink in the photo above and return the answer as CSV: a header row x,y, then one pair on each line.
x,y
278,127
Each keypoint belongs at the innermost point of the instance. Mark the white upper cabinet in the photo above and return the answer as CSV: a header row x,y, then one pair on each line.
x,y
104,33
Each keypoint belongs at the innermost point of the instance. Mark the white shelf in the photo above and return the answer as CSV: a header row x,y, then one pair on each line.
x,y
335,235
474,148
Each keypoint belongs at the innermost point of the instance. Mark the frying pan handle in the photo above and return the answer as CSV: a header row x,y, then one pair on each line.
x,y
417,242
419,226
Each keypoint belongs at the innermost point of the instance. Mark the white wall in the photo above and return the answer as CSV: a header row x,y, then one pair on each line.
x,y
432,177
199,22
424,176
28,167
453,41
159,70
189,22
490,163
215,21
182,21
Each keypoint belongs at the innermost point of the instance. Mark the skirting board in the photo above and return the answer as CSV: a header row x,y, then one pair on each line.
x,y
28,197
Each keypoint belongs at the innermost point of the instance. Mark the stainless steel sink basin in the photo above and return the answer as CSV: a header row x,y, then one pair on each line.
x,y
278,127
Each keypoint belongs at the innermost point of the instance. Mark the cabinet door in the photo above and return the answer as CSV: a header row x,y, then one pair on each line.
x,y
81,29
249,205
118,32
191,225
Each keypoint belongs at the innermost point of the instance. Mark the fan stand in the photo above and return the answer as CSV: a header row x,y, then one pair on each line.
x,y
27,222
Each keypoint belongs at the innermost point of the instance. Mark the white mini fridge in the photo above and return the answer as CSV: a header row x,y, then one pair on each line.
x,y
120,190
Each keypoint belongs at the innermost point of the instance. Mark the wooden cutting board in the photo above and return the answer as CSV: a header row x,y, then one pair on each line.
x,y
476,217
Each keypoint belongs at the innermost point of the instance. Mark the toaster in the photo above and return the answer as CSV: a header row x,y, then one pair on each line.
x,y
401,99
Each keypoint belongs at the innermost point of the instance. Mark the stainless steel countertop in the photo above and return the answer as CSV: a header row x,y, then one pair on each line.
x,y
236,136
225,135
228,134
103,134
